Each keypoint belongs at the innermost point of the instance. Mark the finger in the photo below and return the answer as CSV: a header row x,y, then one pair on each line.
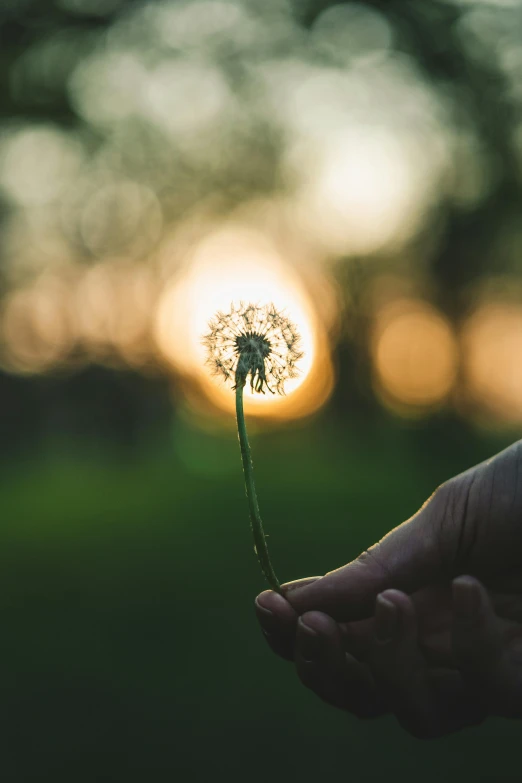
x,y
433,612
323,666
433,609
427,703
476,634
398,667
297,584
408,558
278,622
357,637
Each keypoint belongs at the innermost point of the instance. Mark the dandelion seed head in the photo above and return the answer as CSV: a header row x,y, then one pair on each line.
x,y
255,341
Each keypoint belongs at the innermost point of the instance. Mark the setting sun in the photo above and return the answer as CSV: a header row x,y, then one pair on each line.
x,y
229,266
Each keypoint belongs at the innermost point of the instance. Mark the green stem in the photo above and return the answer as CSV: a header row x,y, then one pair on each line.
x,y
255,517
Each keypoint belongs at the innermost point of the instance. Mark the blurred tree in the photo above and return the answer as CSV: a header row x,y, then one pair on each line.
x,y
465,236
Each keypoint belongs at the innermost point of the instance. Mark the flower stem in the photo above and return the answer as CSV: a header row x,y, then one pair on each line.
x,y
255,517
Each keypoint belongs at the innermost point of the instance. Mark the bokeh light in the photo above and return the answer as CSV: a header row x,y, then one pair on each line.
x,y
37,327
183,118
492,346
366,191
120,216
415,354
113,306
347,32
38,163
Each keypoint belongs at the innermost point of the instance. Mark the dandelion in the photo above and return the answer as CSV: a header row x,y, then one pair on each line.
x,y
260,343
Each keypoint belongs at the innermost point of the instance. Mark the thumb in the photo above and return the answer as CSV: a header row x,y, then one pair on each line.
x,y
408,558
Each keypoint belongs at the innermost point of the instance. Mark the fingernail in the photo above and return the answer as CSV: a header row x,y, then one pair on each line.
x,y
309,642
265,616
265,612
386,620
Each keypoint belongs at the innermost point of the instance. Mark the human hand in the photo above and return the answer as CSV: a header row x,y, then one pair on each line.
x,y
447,666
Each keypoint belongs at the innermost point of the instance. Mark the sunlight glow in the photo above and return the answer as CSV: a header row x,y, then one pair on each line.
x,y
232,265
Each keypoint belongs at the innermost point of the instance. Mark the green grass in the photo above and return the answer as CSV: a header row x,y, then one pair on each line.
x,y
130,648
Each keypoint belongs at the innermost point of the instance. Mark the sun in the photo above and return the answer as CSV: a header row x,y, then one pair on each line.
x,y
236,264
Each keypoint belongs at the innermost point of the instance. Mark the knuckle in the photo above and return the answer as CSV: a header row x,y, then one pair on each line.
x,y
469,505
443,505
455,513
374,561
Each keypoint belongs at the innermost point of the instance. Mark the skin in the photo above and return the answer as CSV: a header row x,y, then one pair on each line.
x,y
427,623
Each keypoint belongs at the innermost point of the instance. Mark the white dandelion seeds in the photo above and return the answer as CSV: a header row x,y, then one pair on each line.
x,y
256,341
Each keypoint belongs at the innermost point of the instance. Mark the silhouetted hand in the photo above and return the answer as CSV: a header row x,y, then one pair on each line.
x,y
427,623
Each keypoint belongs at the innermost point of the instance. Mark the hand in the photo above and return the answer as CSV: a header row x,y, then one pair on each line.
x,y
446,666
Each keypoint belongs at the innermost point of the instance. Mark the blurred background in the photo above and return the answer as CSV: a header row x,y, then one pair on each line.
x,y
359,164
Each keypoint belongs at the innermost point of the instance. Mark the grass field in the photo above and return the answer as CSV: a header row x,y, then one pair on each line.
x,y
130,648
